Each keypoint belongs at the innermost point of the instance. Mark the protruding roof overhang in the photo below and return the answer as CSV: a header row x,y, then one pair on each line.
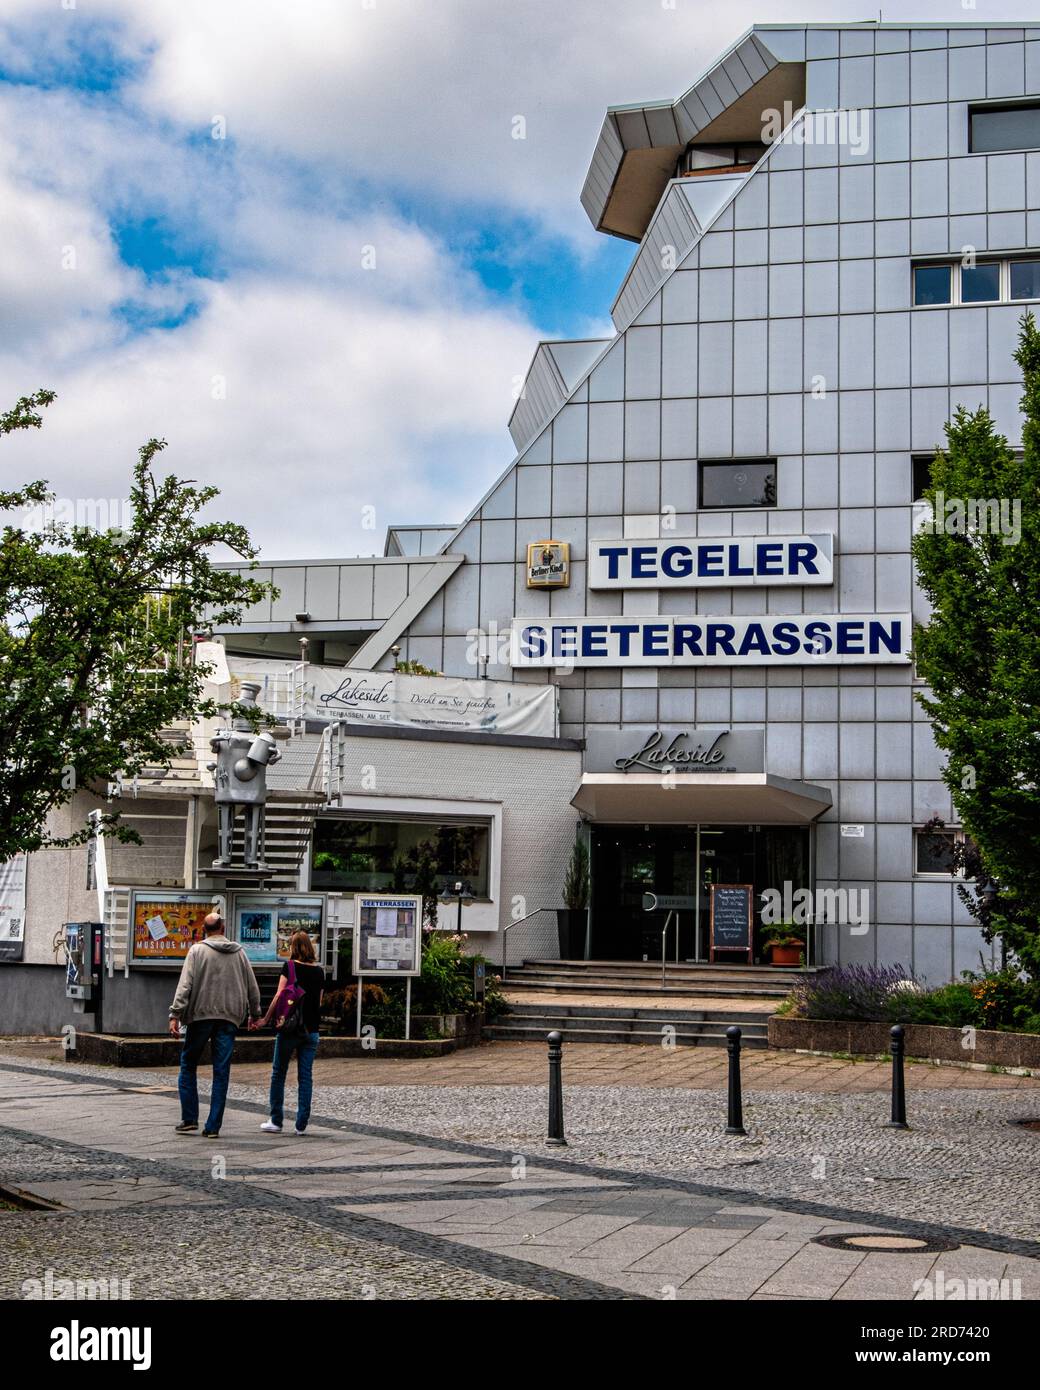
x,y
639,145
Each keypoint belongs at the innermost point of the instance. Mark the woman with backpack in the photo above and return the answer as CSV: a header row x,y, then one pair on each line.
x,y
295,1010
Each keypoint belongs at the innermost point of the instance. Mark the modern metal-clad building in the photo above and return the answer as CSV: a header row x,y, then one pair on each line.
x,y
679,624
705,537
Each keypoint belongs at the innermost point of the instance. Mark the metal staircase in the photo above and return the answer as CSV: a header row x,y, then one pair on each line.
x,y
289,822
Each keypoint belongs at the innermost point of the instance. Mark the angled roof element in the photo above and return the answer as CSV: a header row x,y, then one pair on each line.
x,y
639,146
555,370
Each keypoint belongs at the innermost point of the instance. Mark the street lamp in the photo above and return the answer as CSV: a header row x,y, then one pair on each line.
x,y
460,893
988,897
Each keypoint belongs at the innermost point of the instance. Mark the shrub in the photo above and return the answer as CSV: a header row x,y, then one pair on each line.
x,y
999,999
855,993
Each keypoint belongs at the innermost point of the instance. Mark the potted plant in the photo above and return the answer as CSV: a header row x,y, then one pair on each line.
x,y
572,920
783,943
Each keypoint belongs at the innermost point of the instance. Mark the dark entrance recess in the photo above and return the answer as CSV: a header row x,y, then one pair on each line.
x,y
630,860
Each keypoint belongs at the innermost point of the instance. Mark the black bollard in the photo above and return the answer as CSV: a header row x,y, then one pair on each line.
x,y
556,1138
898,1120
735,1116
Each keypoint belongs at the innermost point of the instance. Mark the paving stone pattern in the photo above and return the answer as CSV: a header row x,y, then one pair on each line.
x,y
469,1206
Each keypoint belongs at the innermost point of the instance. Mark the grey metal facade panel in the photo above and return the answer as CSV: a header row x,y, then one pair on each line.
x,y
759,314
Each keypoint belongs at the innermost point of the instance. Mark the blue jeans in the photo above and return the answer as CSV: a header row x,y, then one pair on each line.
x,y
222,1035
305,1045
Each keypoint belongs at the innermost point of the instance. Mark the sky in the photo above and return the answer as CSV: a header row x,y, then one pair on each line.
x,y
299,239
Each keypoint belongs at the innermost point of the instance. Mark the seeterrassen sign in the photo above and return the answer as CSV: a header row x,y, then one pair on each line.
x,y
710,562
826,639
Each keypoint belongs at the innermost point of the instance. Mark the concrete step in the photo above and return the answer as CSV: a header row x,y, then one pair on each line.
x,y
709,1037
752,1019
703,990
634,968
602,1023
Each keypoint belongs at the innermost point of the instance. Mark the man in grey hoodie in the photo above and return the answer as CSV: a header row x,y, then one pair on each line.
x,y
216,990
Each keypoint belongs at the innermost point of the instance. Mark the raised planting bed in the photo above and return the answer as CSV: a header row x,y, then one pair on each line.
x,y
986,1048
163,1051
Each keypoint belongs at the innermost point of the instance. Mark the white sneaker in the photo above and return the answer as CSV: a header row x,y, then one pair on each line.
x,y
300,1133
269,1127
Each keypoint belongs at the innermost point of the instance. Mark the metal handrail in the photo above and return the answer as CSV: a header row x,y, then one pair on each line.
x,y
664,940
508,927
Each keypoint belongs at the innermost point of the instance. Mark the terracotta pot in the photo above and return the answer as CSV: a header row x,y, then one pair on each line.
x,y
786,955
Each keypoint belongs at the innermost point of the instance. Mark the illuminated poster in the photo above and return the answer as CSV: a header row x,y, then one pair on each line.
x,y
265,923
165,925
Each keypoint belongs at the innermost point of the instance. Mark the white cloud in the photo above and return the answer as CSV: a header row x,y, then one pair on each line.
x,y
334,402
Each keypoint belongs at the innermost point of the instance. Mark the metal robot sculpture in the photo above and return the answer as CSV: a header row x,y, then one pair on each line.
x,y
240,775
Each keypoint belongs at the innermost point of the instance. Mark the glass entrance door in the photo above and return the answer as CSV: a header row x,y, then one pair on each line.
x,y
627,862
684,861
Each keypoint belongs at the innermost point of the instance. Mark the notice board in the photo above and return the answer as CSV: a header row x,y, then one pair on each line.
x,y
387,934
731,918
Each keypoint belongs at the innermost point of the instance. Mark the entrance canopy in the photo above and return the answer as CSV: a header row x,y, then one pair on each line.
x,y
721,798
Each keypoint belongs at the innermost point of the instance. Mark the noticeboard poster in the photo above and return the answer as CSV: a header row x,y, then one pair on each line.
x,y
164,926
387,934
264,924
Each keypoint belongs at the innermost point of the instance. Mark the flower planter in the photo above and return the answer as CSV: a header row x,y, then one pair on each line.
x,y
463,1029
786,955
929,1042
572,923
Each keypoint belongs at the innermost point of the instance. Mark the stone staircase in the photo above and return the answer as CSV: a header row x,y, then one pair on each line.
x,y
590,1023
643,978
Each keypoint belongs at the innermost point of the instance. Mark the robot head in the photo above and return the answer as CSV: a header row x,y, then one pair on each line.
x,y
248,692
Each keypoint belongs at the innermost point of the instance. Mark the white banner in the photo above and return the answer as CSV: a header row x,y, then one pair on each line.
x,y
416,702
825,639
12,907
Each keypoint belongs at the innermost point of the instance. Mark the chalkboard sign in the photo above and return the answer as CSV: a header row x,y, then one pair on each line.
x,y
731,918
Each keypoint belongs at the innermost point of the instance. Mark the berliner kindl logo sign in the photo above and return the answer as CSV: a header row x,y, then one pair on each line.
x,y
548,565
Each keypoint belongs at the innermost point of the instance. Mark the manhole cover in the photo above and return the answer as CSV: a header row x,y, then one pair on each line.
x,y
890,1244
1030,1122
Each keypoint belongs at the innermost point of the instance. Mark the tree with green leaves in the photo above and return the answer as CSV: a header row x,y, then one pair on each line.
x,y
978,563
96,637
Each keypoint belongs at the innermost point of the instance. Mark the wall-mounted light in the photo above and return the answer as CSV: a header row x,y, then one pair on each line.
x,y
303,617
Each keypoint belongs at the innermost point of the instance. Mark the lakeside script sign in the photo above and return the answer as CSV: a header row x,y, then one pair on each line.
x,y
675,751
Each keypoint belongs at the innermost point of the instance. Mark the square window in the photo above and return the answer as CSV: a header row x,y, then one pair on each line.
x,y
1015,127
980,283
933,851
1025,279
932,284
739,483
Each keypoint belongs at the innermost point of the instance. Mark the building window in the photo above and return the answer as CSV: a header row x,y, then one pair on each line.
x,y
986,282
379,856
936,852
921,464
738,483
1025,279
1015,126
980,284
933,284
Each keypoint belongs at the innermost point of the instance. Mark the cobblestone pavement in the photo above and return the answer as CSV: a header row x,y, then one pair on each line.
x,y
409,1192
618,1064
